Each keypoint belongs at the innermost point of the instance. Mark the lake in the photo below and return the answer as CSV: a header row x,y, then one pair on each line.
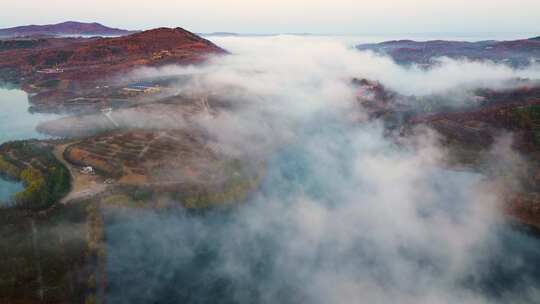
x,y
7,189
17,123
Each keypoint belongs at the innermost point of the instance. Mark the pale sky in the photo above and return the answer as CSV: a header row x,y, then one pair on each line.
x,y
288,16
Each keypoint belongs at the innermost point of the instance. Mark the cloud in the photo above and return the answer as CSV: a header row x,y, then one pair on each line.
x,y
345,214
304,62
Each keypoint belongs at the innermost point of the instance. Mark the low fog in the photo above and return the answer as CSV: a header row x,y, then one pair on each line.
x,y
345,213
297,60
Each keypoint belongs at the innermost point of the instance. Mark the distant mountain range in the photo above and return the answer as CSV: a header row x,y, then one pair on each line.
x,y
64,28
218,34
515,53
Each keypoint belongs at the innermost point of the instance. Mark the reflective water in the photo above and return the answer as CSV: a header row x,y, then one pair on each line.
x,y
17,123
7,189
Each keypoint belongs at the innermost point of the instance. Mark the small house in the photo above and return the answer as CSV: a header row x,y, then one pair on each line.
x,y
88,170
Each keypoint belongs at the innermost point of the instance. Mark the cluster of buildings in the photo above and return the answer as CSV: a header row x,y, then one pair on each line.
x,y
141,88
51,71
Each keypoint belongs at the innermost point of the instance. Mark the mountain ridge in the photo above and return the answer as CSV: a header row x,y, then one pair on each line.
x,y
64,28
60,66
516,53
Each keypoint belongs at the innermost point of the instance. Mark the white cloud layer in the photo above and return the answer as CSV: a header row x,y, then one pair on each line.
x,y
344,214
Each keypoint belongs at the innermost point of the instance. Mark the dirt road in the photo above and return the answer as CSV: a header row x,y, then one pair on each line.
x,y
82,185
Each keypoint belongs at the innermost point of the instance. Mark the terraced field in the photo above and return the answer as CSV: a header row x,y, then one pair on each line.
x,y
137,156
178,162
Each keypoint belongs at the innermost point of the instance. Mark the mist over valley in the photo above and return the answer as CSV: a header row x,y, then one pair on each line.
x,y
161,166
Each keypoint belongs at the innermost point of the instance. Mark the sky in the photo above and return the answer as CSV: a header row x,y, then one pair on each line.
x,y
288,16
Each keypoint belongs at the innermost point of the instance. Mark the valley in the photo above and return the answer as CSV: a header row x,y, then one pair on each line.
x,y
144,128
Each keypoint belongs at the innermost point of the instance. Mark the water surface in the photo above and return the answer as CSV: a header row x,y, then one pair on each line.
x,y
17,123
7,189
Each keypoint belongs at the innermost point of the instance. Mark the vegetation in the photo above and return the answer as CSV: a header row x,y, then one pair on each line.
x,y
528,118
59,57
34,194
46,179
96,254
528,115
204,199
19,44
240,182
50,83
44,256
9,170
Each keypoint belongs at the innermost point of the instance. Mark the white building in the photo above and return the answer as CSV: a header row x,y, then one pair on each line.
x,y
88,170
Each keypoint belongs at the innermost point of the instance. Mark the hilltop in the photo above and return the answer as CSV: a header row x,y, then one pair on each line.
x,y
64,28
63,66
